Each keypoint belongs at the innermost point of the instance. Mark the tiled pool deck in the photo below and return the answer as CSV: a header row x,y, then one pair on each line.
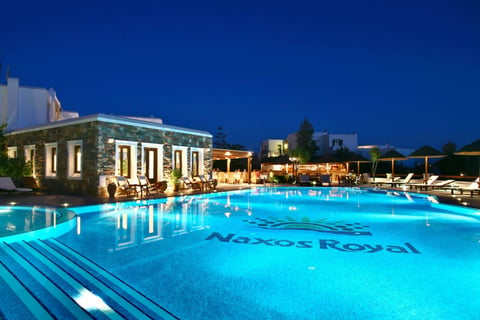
x,y
73,200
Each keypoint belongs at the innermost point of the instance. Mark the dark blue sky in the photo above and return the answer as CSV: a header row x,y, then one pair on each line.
x,y
404,72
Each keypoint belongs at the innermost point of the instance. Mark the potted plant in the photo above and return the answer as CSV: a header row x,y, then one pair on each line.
x,y
175,176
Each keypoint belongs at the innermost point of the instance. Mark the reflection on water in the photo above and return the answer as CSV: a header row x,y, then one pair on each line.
x,y
137,224
15,220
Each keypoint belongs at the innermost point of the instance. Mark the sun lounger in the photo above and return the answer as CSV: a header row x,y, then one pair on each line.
x,y
207,183
147,186
425,185
325,180
6,184
472,187
435,185
304,179
189,184
397,181
124,186
34,184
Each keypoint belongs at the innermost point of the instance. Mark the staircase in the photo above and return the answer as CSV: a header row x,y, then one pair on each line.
x,y
45,279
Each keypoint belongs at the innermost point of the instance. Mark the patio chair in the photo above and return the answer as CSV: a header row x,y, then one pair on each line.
x,y
34,184
189,184
207,183
147,186
304,179
6,184
325,180
125,187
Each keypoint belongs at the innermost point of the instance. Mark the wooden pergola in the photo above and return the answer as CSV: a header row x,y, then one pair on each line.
x,y
229,154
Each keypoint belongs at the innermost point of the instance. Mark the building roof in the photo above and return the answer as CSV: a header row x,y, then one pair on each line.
x,y
221,154
144,123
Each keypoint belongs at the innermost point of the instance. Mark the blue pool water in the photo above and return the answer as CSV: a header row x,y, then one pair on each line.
x,y
287,253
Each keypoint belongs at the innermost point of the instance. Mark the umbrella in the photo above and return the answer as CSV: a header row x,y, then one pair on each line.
x,y
426,152
392,155
473,149
358,158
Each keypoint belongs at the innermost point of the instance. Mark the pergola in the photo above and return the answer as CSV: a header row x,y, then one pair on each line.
x,y
228,154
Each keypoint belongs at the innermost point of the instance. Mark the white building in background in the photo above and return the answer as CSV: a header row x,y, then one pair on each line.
x,y
22,107
339,141
328,142
273,148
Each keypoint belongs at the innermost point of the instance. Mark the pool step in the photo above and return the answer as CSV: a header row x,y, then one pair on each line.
x,y
62,280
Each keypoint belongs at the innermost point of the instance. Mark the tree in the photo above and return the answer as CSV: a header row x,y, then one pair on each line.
x,y
236,147
344,154
375,158
451,164
306,146
219,139
15,167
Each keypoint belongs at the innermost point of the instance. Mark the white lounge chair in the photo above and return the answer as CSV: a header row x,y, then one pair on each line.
x,y
6,184
461,187
425,185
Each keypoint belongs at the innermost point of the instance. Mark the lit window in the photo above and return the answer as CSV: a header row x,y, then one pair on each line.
x,y
12,152
30,156
51,160
197,161
125,161
178,160
74,159
126,158
152,164
337,143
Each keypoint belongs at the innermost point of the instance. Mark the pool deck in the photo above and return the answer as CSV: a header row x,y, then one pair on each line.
x,y
75,200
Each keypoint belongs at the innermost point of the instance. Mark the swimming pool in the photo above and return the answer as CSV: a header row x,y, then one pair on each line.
x,y
264,253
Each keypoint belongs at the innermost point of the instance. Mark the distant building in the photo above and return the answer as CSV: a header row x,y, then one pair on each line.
x,y
73,154
273,148
22,107
327,142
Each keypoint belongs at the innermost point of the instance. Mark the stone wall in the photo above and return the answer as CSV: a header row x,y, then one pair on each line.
x,y
98,151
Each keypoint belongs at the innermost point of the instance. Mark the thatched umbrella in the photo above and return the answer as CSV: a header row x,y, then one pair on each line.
x,y
473,149
392,155
426,152
358,158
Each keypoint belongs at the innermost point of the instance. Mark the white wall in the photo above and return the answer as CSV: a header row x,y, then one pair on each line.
x,y
23,107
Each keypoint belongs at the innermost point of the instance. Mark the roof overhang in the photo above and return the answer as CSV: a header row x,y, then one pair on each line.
x,y
222,154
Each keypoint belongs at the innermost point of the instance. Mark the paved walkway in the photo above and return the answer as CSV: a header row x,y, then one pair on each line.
x,y
62,200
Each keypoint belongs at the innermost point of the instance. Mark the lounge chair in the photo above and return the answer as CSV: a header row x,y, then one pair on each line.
x,y
207,183
440,184
6,184
405,181
34,184
325,180
125,187
189,184
425,185
147,186
472,187
397,181
304,179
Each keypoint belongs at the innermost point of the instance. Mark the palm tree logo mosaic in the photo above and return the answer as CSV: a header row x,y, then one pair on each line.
x,y
306,224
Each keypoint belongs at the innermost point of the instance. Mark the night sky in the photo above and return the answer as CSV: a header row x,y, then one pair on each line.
x,y
406,73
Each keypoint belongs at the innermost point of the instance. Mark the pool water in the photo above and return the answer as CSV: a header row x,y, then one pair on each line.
x,y
286,253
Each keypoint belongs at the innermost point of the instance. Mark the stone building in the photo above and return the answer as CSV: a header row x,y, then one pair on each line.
x,y
77,155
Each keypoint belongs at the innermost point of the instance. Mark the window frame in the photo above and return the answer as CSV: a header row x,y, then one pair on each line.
x,y
51,160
